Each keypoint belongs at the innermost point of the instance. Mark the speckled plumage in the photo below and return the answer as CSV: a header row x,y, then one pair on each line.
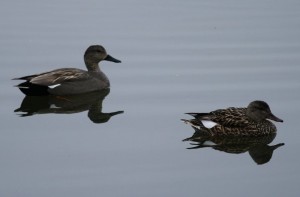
x,y
250,121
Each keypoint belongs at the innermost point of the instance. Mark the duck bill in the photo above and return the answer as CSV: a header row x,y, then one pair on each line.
x,y
273,117
111,59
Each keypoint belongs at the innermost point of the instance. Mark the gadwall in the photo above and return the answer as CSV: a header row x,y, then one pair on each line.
x,y
250,121
70,81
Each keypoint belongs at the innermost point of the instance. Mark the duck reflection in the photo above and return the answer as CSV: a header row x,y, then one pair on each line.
x,y
257,147
51,104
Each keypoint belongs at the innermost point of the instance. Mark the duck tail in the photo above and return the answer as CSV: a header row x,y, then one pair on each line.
x,y
198,126
197,115
194,123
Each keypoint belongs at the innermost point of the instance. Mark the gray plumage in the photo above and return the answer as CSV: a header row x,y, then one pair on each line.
x,y
69,81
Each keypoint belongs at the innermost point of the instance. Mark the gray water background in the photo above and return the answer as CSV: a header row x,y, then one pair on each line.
x,y
177,57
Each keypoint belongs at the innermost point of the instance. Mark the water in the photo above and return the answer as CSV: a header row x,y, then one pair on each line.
x,y
177,57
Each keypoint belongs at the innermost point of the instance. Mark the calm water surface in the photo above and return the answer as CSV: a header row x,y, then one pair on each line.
x,y
177,57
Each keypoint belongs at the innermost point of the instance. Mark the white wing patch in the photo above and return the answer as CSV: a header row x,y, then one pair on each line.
x,y
209,143
54,86
208,123
53,106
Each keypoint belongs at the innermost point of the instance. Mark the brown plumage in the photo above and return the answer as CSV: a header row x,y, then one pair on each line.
x,y
250,121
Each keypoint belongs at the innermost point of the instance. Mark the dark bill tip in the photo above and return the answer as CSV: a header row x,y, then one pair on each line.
x,y
273,117
116,113
111,59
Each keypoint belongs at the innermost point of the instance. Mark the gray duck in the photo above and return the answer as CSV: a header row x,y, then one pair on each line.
x,y
70,81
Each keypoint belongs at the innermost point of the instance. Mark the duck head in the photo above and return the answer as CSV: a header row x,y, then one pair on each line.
x,y
96,53
259,111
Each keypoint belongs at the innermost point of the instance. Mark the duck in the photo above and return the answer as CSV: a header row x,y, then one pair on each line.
x,y
70,81
252,120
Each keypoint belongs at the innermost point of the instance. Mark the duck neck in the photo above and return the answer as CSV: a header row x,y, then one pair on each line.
x,y
92,66
253,116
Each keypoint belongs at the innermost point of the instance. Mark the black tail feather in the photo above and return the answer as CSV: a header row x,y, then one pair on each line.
x,y
30,89
197,115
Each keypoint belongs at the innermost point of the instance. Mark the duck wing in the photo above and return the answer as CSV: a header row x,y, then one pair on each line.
x,y
230,117
57,76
